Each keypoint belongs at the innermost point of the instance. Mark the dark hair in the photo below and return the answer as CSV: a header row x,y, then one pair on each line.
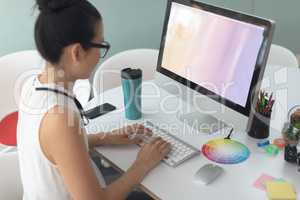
x,y
64,22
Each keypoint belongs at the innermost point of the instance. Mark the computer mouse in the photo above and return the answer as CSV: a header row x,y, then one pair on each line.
x,y
207,174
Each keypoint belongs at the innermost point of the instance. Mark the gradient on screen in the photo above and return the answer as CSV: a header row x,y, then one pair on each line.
x,y
213,51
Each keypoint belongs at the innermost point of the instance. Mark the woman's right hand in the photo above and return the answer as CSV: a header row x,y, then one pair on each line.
x,y
151,154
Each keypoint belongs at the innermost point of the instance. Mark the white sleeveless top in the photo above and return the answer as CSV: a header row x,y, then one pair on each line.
x,y
40,177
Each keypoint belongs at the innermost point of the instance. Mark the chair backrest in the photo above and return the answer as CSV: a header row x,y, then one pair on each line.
x,y
15,69
282,56
108,75
10,179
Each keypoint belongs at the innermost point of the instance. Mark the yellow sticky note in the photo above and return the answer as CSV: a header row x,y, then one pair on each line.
x,y
280,191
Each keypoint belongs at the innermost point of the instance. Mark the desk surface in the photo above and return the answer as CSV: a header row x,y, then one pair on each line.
x,y
177,183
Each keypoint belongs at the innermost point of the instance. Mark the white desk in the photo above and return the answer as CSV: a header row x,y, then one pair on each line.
x,y
169,183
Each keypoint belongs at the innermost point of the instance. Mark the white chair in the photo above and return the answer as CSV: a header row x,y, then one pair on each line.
x,y
108,75
10,179
16,68
27,63
6,149
298,58
282,56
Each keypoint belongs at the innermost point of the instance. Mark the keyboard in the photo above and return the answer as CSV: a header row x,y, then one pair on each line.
x,y
180,150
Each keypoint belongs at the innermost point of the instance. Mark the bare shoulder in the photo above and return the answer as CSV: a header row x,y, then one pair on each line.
x,y
60,128
60,121
62,116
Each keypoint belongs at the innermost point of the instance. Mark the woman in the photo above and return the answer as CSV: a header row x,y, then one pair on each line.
x,y
53,149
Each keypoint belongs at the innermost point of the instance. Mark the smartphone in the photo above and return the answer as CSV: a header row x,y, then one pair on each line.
x,y
99,110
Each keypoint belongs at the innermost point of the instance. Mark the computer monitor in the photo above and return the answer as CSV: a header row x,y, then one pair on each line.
x,y
217,52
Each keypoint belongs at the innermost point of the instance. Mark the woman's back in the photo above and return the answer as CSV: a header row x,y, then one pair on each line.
x,y
41,178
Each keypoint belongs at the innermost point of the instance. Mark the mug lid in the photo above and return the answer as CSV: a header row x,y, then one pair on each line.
x,y
129,73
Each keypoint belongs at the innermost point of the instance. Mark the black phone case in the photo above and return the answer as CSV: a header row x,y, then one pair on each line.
x,y
99,111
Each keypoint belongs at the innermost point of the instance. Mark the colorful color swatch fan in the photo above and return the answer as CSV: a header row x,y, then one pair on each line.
x,y
225,151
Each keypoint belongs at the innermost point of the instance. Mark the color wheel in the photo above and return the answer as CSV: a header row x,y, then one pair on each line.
x,y
225,151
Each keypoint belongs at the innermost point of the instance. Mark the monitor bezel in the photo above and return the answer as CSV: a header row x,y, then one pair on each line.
x,y
259,67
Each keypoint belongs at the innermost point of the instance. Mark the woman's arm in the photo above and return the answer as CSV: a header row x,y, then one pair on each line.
x,y
98,139
63,144
119,136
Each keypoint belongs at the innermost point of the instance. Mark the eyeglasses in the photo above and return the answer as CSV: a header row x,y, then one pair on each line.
x,y
103,45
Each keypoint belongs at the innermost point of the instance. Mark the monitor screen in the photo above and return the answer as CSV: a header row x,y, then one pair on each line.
x,y
213,51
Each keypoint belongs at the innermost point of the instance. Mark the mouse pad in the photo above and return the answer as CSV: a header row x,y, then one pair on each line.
x,y
225,151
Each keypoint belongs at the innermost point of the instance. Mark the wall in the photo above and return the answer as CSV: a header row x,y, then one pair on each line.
x,y
16,21
138,23
128,23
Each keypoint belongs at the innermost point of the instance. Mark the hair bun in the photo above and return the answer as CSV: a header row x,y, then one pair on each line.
x,y
55,5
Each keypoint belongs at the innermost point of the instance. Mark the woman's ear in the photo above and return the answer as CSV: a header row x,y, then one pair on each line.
x,y
76,53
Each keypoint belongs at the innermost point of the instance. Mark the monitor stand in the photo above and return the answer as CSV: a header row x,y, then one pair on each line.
x,y
204,123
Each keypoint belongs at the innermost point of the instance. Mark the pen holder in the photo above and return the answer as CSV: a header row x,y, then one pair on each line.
x,y
259,126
